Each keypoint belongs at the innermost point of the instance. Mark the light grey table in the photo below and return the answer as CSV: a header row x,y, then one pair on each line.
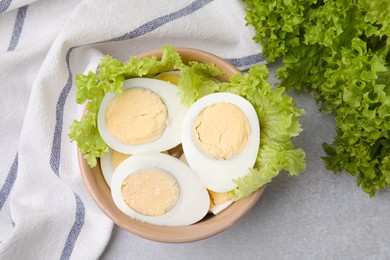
x,y
316,215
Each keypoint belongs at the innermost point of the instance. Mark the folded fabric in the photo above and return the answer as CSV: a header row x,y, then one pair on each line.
x,y
45,209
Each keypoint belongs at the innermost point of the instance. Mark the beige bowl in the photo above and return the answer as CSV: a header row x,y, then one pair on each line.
x,y
207,227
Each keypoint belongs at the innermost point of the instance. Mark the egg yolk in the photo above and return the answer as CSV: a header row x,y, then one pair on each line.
x,y
151,192
218,197
171,78
221,130
117,158
137,116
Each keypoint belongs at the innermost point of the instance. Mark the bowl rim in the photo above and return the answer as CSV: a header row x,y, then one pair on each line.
x,y
148,231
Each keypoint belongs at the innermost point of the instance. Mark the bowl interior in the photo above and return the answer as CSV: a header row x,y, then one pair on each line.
x,y
207,227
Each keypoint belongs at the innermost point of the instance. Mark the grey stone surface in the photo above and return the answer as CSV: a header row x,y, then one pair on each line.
x,y
316,215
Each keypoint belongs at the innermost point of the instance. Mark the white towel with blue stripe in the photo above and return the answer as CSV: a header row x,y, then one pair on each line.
x,y
45,209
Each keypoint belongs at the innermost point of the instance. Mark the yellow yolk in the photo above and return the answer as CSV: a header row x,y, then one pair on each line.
x,y
137,116
151,192
171,78
221,130
218,197
212,204
117,158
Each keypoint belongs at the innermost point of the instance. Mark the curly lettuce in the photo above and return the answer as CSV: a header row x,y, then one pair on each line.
x,y
340,51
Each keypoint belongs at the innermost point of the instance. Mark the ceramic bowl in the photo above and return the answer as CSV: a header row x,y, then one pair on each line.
x,y
205,228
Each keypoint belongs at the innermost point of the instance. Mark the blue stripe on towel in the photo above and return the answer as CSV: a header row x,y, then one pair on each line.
x,y
248,60
9,182
76,228
12,221
4,4
160,21
17,27
56,146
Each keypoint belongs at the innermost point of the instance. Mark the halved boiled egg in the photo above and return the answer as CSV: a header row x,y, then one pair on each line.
x,y
159,189
146,116
220,139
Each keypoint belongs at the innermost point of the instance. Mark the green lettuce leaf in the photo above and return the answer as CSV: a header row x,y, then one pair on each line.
x,y
197,80
340,51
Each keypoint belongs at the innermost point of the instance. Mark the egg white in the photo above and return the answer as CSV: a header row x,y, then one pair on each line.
x,y
106,166
170,138
220,207
218,175
193,203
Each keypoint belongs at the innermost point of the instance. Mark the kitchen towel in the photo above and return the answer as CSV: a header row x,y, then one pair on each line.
x,y
45,209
